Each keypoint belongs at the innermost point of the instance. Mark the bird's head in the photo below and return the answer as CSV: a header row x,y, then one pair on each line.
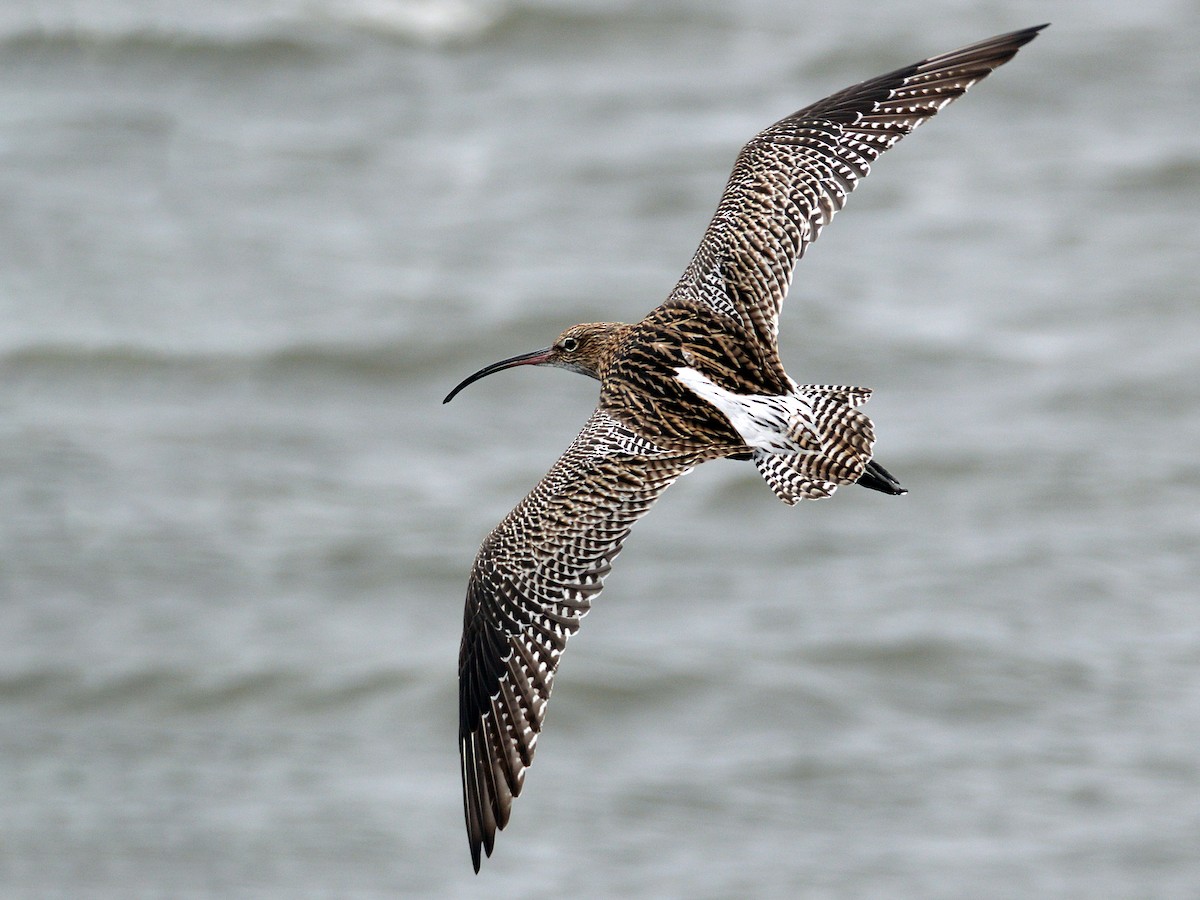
x,y
586,349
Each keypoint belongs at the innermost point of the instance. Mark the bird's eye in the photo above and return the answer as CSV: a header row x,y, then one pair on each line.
x,y
570,345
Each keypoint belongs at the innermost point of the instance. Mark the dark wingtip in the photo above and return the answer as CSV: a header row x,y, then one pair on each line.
x,y
1033,32
1025,35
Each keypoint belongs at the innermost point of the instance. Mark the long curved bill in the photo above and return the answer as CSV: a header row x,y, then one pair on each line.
x,y
525,359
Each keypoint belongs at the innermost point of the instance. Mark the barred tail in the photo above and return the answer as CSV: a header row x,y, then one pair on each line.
x,y
834,442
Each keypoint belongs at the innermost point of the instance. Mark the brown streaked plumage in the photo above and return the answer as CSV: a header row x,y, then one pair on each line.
x,y
698,378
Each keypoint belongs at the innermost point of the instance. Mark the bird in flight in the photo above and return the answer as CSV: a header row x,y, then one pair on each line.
x,y
698,378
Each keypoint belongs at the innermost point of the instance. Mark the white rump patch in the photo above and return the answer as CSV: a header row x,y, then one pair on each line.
x,y
760,420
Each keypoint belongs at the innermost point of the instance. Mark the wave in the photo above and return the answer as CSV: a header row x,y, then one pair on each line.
x,y
296,27
148,41
199,690
380,360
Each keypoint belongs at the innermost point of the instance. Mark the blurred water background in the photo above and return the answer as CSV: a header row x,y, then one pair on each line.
x,y
248,245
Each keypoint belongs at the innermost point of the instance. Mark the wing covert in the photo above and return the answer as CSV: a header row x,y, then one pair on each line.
x,y
532,582
790,179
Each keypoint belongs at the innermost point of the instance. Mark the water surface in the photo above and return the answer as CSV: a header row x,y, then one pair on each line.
x,y
249,246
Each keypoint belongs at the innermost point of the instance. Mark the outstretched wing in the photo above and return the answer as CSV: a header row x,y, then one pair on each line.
x,y
533,580
790,179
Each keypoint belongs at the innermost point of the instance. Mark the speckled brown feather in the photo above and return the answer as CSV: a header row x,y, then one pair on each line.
x,y
790,179
699,378
533,580
641,385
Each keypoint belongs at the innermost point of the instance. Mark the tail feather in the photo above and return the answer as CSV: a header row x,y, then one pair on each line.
x,y
789,478
830,441
805,443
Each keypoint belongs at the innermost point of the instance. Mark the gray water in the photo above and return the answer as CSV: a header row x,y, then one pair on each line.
x,y
247,247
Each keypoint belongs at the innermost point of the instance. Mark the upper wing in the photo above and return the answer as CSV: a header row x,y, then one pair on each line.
x,y
533,580
790,179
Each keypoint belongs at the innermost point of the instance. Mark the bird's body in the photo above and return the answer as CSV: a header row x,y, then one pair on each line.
x,y
699,378
642,385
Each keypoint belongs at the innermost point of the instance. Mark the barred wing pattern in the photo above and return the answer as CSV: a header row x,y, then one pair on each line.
x,y
533,580
790,179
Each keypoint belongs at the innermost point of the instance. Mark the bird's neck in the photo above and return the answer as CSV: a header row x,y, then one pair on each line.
x,y
611,336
